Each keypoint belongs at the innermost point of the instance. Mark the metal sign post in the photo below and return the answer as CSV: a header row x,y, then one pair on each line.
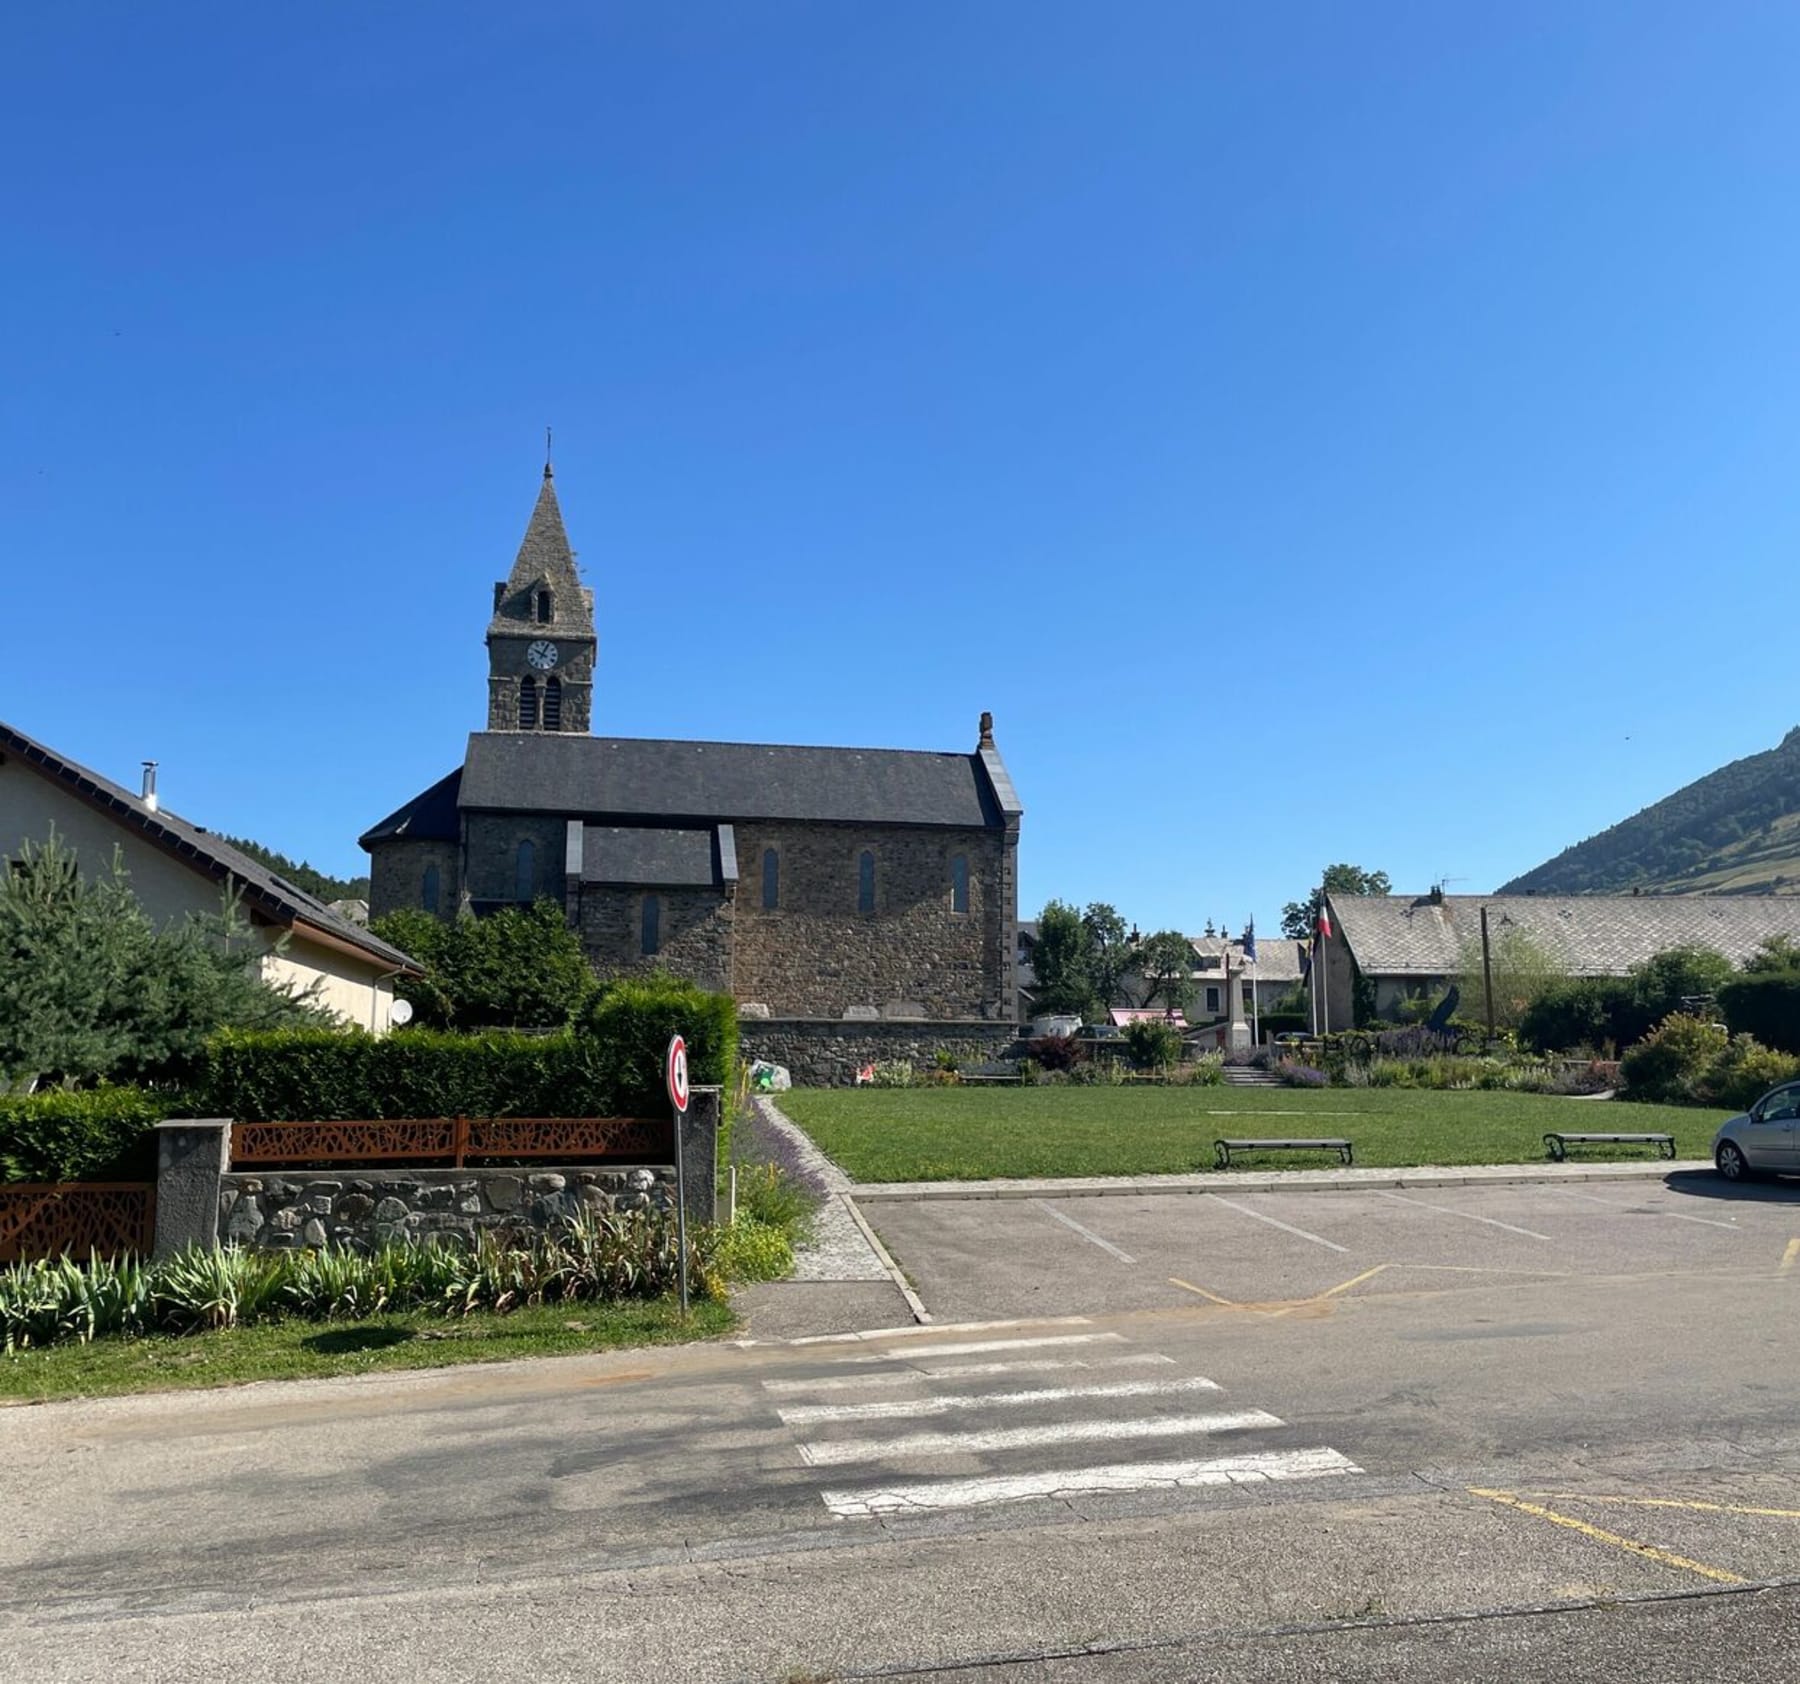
x,y
676,1070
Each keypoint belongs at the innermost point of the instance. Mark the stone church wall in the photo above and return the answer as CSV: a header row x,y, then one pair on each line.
x,y
817,956
494,840
397,876
695,927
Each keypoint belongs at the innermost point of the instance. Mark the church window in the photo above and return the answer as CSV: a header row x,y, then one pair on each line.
x,y
652,925
771,880
544,613
525,872
428,890
959,883
528,703
552,704
865,881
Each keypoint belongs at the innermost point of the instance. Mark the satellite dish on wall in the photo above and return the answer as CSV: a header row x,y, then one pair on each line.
x,y
402,1013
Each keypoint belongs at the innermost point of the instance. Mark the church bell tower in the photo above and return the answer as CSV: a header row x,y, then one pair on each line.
x,y
541,642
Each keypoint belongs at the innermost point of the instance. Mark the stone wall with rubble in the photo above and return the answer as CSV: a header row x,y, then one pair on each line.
x,y
279,1211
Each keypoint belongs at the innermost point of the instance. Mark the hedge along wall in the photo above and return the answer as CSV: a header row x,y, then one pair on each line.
x,y
101,1134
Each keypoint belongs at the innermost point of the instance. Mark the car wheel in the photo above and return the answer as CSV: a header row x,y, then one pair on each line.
x,y
1731,1162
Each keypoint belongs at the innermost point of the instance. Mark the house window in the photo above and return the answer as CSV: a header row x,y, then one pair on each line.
x,y
865,881
771,880
651,934
959,883
528,709
552,704
525,872
428,890
543,608
1212,1001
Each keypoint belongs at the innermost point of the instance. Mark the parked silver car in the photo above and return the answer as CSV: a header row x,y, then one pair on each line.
x,y
1763,1139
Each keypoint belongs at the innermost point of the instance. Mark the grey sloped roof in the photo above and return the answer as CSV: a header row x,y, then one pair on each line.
x,y
1277,958
653,857
264,891
642,777
429,817
1585,935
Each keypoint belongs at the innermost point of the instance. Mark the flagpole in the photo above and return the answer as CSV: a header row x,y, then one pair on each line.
x,y
1325,965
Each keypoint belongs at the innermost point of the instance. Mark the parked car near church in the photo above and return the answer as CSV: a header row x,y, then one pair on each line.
x,y
1763,1140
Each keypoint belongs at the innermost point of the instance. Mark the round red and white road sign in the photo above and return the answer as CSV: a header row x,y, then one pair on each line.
x,y
677,1073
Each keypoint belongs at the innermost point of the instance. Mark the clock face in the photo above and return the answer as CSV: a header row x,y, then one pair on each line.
x,y
542,654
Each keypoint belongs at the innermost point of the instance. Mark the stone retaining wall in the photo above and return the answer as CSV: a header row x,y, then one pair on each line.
x,y
827,1052
372,1207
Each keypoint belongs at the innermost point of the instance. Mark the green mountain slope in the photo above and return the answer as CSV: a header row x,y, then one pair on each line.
x,y
1735,831
320,885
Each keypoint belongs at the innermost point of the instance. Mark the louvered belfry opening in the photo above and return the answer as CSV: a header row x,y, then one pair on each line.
x,y
553,704
528,704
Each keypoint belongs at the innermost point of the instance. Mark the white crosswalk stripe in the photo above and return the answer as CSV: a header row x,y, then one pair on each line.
x,y
1023,1440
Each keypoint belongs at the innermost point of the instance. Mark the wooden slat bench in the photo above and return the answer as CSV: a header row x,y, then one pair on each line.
x,y
1222,1149
1559,1144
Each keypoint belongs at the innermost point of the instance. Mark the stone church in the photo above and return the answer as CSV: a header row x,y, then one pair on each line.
x,y
860,887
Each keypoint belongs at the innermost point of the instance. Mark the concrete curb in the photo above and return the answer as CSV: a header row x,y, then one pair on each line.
x,y
1292,1181
913,1302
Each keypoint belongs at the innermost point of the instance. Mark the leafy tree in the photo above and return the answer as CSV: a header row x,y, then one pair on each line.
x,y
1592,1011
1299,919
1060,962
91,989
1166,960
521,967
1110,953
1521,968
1765,1004
315,883
1672,979
1778,953
1151,1045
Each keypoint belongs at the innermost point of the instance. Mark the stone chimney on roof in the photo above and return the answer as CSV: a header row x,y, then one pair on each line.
x,y
987,732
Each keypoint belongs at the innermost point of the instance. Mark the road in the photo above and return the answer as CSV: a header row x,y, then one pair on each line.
x,y
1486,1432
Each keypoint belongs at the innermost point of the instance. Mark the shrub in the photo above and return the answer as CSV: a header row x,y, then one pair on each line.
x,y
1297,1075
101,1134
945,1061
519,967
1207,1071
749,1250
894,1073
1765,1004
1151,1045
1057,1052
628,1029
1666,1064
1742,1072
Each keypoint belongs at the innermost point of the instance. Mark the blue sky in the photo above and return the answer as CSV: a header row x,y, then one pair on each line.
x,y
1317,432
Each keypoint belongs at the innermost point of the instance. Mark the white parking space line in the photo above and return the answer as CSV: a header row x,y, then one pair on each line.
x,y
914,1332
1087,1234
889,1409
967,1370
1286,1228
1467,1216
926,1495
1673,1215
980,1347
833,1453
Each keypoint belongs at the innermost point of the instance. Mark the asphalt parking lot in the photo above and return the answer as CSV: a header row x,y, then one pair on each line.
x,y
1289,1254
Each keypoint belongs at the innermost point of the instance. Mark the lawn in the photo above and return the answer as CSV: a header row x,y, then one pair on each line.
x,y
310,1350
962,1134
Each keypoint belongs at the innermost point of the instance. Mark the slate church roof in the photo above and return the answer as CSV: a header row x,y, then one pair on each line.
x,y
1584,935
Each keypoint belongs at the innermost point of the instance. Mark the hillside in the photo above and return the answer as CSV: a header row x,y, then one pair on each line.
x,y
318,884
1734,832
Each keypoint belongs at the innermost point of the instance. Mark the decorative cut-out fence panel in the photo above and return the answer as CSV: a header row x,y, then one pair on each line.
x,y
455,1141
80,1217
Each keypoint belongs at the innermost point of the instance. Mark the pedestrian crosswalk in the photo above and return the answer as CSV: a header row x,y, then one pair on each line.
x,y
937,1432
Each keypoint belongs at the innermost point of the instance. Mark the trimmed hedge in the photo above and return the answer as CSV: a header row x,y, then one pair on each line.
x,y
609,1065
1765,1004
101,1134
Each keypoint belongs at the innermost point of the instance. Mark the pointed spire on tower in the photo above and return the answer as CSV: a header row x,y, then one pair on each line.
x,y
549,468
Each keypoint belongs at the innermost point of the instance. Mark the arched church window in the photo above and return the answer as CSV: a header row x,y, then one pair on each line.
x,y
651,933
865,881
959,883
552,704
525,872
544,613
771,880
528,703
428,890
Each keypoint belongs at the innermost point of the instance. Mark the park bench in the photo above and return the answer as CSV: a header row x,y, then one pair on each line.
x,y
1222,1149
1559,1144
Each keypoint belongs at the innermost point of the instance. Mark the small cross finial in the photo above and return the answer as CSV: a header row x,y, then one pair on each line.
x,y
549,471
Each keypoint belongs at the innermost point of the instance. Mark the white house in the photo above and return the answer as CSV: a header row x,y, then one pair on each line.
x,y
177,868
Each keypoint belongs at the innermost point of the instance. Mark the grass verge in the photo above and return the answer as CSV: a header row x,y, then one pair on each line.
x,y
311,1350
964,1134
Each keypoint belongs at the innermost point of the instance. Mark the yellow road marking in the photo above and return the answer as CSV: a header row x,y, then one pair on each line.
x,y
1790,1256
1278,1306
1599,1535
1210,1297
1672,1503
